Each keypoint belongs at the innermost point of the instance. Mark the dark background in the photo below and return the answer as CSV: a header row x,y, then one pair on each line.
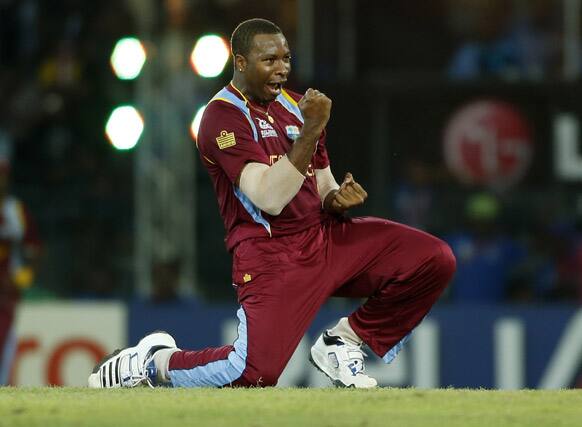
x,y
390,111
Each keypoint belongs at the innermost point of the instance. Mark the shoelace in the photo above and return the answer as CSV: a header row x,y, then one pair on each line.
x,y
130,379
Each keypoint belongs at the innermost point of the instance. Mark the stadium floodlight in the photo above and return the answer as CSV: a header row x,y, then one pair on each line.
x,y
196,122
124,127
210,55
127,58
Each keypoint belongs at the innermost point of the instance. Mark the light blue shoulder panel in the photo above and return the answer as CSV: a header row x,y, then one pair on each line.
x,y
225,95
290,106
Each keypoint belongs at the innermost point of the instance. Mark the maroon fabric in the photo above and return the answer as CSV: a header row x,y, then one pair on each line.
x,y
225,165
282,280
7,310
190,359
401,270
19,235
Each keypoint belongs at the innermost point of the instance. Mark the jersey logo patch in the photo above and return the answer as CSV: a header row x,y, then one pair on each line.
x,y
225,140
292,132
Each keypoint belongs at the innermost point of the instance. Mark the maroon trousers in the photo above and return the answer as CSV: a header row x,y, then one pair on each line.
x,y
282,282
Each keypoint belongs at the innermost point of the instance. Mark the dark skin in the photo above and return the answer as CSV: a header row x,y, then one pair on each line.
x,y
260,76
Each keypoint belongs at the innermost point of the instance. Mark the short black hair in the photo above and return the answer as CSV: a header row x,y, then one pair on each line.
x,y
241,41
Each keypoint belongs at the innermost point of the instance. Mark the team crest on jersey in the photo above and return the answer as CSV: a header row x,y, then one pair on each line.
x,y
292,132
225,140
267,130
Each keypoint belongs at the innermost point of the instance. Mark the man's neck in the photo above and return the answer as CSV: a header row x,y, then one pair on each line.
x,y
239,84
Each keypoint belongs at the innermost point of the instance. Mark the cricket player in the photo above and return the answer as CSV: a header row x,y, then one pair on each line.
x,y
19,253
293,245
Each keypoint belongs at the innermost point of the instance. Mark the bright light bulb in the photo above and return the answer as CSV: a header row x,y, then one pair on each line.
x,y
210,55
128,58
124,127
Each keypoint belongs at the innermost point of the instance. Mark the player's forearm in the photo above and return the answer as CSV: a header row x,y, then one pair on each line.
x,y
271,188
303,148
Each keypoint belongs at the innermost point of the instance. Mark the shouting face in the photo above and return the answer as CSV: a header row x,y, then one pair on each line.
x,y
265,68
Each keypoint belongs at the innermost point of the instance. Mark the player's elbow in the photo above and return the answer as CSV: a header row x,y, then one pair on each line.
x,y
271,188
266,199
275,201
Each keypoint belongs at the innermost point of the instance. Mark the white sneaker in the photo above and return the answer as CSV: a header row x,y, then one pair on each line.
x,y
131,366
341,361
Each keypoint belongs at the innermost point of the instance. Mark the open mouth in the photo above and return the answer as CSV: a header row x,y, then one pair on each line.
x,y
274,88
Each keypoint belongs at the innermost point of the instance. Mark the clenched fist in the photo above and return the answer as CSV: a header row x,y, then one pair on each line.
x,y
349,195
315,107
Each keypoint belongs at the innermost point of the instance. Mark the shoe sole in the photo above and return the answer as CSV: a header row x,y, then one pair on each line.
x,y
94,378
315,356
336,383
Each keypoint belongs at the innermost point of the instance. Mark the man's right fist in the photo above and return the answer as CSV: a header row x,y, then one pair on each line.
x,y
315,107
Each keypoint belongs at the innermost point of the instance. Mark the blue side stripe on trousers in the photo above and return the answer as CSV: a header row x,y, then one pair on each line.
x,y
221,372
393,352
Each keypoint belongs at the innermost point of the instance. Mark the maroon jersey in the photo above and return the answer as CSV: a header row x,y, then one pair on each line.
x,y
233,132
17,236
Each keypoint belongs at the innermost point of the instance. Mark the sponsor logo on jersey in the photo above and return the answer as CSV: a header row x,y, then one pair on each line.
x,y
267,130
225,140
292,132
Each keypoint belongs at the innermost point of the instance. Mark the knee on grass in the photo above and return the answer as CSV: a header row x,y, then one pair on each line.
x,y
261,378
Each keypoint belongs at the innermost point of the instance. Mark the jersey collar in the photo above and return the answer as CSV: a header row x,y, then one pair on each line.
x,y
232,88
238,93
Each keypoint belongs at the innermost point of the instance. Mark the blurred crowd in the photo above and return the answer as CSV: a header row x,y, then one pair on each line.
x,y
57,90
523,42
504,254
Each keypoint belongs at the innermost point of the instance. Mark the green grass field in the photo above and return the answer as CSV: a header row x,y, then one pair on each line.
x,y
287,407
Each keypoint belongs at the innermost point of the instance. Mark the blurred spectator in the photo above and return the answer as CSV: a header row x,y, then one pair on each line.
x,y
577,256
564,251
19,251
485,255
57,93
551,272
509,41
166,281
413,200
57,90
19,35
534,278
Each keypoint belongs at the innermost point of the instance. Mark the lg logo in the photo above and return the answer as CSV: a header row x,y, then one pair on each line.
x,y
490,142
567,148
60,343
57,356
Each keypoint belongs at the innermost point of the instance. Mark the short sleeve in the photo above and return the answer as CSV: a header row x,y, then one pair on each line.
x,y
225,138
